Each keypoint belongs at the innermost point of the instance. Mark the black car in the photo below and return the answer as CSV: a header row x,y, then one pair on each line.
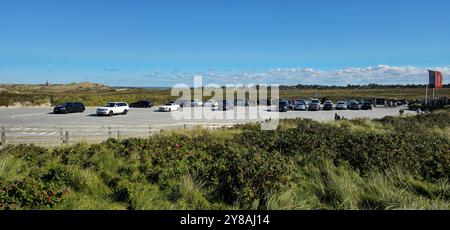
x,y
142,104
353,105
328,105
283,106
69,107
366,106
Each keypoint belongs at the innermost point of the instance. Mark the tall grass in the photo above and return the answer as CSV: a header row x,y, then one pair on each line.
x,y
391,163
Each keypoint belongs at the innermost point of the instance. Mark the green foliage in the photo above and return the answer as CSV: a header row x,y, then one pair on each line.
x,y
390,163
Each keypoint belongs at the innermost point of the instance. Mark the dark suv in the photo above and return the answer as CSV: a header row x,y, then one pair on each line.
x,y
142,104
69,107
283,106
366,105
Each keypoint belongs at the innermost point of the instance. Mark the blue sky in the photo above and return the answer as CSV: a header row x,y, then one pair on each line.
x,y
159,43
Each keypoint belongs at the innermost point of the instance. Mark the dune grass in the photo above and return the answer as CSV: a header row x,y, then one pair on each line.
x,y
389,163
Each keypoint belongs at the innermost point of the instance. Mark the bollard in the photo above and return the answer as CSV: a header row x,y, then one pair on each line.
x,y
66,138
3,137
109,132
149,130
118,135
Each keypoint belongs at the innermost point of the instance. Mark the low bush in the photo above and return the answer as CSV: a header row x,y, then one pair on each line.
x,y
389,163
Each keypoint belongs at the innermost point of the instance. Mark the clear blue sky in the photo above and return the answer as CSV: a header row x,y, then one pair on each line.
x,y
109,41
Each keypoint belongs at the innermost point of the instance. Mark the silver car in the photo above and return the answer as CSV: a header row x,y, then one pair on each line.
x,y
300,106
341,105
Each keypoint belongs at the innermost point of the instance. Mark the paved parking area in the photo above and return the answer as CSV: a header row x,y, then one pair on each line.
x,y
21,118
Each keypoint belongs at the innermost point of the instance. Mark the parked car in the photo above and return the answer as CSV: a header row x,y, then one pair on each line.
x,y
211,103
69,107
283,106
305,102
169,107
142,104
112,108
380,102
300,106
315,100
196,103
328,105
224,105
341,105
353,105
366,106
314,106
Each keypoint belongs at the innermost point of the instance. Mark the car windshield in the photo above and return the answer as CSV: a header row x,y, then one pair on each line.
x,y
110,105
169,104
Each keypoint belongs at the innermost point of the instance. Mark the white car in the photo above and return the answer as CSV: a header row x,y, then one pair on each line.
x,y
211,103
112,108
169,107
315,100
300,106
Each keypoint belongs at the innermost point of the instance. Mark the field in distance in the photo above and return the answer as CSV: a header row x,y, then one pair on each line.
x,y
93,94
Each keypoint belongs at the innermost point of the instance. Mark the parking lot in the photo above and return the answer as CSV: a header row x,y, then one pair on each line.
x,y
43,116
40,125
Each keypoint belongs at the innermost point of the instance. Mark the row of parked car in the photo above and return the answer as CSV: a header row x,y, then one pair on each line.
x,y
114,108
110,109
315,104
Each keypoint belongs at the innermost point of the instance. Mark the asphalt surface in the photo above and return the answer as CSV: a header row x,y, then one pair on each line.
x,y
41,117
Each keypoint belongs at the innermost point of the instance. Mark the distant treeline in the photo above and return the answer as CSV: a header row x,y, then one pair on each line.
x,y
369,86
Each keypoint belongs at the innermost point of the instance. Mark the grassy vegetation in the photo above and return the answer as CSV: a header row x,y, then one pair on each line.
x,y
390,163
89,93
94,94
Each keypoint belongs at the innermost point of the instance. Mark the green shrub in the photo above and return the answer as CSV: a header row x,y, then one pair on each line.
x,y
389,163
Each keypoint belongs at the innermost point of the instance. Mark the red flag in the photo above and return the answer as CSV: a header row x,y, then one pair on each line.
x,y
435,79
438,80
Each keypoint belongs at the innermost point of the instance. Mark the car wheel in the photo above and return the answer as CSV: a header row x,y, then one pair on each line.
x,y
111,113
170,109
125,112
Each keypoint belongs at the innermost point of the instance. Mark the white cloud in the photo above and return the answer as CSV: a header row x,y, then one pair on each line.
x,y
381,74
